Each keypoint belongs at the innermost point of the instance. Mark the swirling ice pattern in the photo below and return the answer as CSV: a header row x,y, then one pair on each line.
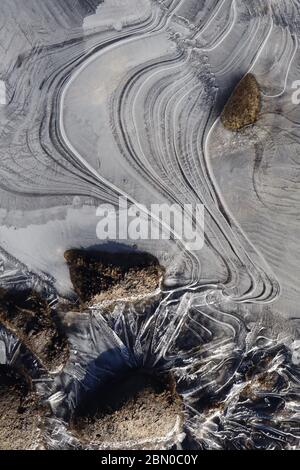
x,y
147,94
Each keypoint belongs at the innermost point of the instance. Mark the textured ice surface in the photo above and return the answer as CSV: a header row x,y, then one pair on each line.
x,y
2,93
119,97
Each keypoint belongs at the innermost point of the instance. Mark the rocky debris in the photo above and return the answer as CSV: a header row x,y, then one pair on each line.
x,y
139,410
29,316
243,107
19,412
99,276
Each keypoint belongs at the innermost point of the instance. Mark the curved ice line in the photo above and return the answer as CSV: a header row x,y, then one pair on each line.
x,y
87,165
287,72
263,45
175,9
149,78
226,33
211,19
228,65
227,209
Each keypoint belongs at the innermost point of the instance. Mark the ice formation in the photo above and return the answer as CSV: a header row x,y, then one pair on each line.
x,y
123,98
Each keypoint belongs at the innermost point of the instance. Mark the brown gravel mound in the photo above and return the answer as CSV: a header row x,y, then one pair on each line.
x,y
243,107
30,317
138,409
18,412
107,276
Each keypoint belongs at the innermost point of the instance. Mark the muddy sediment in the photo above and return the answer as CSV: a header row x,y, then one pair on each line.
x,y
99,276
137,410
29,316
19,412
243,107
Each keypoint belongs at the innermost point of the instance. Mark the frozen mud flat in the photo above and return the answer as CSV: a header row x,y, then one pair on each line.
x,y
139,409
106,276
30,317
125,98
19,428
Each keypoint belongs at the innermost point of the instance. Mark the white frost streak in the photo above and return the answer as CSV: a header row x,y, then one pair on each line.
x,y
2,93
